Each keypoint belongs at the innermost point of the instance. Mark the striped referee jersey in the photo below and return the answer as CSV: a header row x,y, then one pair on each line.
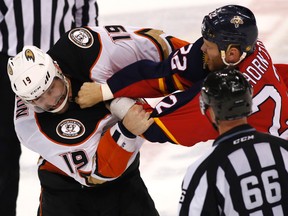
x,y
245,173
41,22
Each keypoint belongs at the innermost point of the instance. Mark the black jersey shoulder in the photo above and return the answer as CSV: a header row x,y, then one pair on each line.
x,y
75,58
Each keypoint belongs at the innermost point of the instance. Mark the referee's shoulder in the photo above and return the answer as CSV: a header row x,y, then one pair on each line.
x,y
266,137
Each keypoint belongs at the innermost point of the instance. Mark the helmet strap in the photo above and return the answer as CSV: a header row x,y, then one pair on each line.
x,y
223,56
65,100
61,106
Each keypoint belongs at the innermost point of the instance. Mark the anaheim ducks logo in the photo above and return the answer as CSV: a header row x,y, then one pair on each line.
x,y
29,55
70,129
236,20
81,37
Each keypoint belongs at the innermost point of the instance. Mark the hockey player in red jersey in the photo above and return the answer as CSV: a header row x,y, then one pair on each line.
x,y
89,159
229,39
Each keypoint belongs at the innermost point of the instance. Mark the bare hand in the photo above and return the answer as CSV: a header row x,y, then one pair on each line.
x,y
137,120
89,94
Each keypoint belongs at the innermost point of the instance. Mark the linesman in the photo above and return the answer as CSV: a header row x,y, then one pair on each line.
x,y
245,173
29,22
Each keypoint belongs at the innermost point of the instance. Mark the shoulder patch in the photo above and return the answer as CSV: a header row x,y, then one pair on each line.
x,y
70,129
81,37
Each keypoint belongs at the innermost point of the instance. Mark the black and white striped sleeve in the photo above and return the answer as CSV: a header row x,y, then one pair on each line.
x,y
41,22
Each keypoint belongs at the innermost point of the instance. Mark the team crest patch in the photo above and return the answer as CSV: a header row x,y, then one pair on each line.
x,y
29,55
70,129
236,20
81,37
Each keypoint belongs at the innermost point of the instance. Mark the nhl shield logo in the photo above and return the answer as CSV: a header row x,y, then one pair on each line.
x,y
70,129
236,20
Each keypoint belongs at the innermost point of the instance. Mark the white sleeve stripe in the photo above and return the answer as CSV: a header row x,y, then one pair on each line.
x,y
106,92
124,142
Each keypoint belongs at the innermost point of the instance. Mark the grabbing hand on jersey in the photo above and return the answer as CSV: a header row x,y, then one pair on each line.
x,y
137,120
89,94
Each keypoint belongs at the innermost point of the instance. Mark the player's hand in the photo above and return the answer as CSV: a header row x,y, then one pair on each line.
x,y
137,120
89,94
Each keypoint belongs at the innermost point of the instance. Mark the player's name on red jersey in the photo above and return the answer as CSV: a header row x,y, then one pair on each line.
x,y
259,65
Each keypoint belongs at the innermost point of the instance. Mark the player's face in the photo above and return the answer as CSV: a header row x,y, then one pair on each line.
x,y
54,97
212,56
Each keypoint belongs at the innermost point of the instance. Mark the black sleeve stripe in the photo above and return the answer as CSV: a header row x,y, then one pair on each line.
x,y
116,135
37,23
19,24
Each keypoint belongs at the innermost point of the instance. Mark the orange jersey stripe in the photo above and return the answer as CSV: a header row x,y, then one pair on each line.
x,y
111,158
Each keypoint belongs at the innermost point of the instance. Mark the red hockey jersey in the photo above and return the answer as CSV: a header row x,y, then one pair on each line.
x,y
178,117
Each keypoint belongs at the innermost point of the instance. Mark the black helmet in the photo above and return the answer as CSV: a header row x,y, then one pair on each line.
x,y
231,25
228,93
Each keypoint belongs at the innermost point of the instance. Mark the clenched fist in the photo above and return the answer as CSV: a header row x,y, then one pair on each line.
x,y
89,94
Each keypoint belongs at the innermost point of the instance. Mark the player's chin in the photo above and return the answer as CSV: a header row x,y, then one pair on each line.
x,y
208,64
210,67
64,109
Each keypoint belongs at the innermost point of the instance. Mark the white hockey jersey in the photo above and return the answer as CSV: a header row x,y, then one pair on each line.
x,y
85,143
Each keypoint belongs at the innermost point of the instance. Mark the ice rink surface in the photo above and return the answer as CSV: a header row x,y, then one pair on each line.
x,y
163,166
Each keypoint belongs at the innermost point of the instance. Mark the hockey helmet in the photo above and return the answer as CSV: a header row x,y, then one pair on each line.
x,y
31,73
231,25
228,93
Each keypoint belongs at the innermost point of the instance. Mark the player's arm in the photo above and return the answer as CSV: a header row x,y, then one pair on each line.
x,y
117,145
177,118
148,79
163,42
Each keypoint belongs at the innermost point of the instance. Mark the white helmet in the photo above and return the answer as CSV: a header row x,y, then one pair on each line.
x,y
31,73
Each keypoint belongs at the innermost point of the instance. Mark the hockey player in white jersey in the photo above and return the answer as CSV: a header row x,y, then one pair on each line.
x,y
89,160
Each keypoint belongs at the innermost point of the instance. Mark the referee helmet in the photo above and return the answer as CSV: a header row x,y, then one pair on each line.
x,y
228,93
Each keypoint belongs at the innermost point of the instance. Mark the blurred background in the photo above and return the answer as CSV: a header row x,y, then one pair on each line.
x,y
163,166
